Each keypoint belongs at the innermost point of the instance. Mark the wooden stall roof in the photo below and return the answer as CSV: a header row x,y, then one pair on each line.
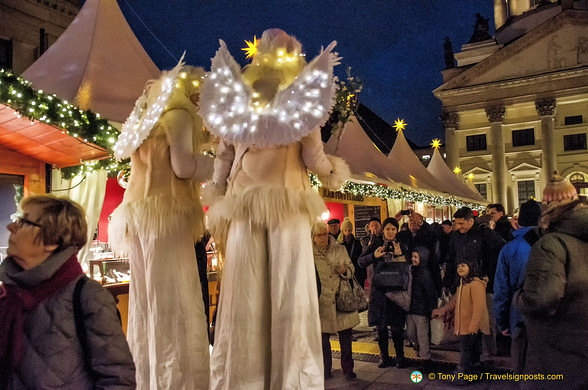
x,y
44,142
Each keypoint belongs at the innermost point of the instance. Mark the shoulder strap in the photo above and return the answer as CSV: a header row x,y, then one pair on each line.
x,y
79,320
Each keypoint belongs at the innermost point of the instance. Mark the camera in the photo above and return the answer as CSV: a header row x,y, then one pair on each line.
x,y
389,248
405,212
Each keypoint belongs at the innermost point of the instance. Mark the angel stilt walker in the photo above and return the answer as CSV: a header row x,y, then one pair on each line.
x,y
268,119
156,226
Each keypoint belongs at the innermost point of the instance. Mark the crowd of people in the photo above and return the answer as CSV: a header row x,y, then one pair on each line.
x,y
60,330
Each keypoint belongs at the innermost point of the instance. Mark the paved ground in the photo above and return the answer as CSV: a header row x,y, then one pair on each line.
x,y
436,376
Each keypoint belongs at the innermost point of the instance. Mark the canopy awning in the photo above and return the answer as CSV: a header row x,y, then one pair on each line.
x,y
44,142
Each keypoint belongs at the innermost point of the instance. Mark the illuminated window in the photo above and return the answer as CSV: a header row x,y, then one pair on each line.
x,y
476,142
523,137
575,141
526,190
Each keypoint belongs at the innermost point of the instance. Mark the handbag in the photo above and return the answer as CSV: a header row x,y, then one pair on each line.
x,y
350,296
392,275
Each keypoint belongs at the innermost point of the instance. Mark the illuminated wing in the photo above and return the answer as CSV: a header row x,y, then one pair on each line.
x,y
226,104
148,108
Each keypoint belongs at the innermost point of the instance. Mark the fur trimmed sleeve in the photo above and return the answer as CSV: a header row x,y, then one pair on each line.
x,y
332,171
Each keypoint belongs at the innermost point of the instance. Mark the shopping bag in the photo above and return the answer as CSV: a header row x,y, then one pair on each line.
x,y
442,329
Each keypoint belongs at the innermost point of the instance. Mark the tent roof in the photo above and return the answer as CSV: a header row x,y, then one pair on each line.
x,y
366,160
442,172
96,64
403,157
44,142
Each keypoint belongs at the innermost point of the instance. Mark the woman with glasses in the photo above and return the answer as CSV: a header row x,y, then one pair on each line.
x,y
43,344
333,265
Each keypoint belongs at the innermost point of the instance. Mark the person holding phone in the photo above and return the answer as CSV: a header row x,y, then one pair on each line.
x,y
382,312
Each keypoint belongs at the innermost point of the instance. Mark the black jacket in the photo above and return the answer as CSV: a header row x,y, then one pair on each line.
x,y
423,298
480,244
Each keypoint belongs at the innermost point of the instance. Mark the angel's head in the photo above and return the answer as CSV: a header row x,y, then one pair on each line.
x,y
276,64
190,80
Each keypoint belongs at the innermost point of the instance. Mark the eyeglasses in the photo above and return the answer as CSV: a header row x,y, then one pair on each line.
x,y
20,221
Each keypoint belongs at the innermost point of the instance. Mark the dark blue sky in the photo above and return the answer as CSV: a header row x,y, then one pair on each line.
x,y
394,46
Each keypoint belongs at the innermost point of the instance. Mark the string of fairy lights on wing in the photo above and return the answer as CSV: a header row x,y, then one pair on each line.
x,y
84,125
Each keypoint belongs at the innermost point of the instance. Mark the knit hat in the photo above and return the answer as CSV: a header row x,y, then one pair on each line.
x,y
559,190
529,213
346,224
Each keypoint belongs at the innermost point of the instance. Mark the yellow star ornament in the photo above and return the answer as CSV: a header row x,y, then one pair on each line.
x,y
251,48
436,144
399,124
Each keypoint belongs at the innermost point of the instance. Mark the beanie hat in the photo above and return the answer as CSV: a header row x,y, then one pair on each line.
x,y
375,219
559,190
529,213
346,224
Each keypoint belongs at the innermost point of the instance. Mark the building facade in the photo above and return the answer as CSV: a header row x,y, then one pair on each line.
x,y
515,107
29,27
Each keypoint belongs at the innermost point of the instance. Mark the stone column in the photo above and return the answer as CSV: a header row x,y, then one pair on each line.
x,y
450,121
546,110
495,116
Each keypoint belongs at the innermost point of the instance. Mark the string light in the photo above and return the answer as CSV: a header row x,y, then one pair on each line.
x,y
384,192
18,94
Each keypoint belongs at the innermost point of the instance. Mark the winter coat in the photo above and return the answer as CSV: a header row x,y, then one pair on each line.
x,y
510,275
554,301
381,310
427,238
469,305
423,296
504,228
52,353
353,247
333,321
480,244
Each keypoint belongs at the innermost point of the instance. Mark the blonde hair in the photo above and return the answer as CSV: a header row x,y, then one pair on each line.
x,y
63,221
319,227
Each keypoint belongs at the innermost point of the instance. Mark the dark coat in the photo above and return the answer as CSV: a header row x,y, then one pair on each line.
x,y
52,353
423,298
480,244
504,229
425,237
381,310
354,251
554,302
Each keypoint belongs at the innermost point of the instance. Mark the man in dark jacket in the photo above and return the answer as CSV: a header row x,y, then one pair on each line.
x,y
554,296
479,243
502,224
510,275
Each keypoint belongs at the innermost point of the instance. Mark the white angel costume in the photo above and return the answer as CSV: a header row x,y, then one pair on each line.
x,y
156,226
268,329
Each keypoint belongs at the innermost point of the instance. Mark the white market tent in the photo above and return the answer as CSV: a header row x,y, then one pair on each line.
x,y
403,156
440,170
366,160
96,64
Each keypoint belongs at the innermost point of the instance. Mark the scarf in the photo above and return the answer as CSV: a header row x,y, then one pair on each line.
x,y
16,301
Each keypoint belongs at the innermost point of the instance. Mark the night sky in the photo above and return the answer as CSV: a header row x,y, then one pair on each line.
x,y
394,46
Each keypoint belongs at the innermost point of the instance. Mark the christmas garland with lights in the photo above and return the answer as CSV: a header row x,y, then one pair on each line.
x,y
346,102
83,125
383,192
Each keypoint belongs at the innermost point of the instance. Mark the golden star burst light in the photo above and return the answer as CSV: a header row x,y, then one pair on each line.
x,y
251,48
399,124
436,144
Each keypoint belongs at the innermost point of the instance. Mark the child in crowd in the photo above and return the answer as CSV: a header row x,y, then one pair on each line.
x,y
423,301
471,314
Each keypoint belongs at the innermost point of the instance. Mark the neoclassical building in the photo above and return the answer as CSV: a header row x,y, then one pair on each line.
x,y
515,107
